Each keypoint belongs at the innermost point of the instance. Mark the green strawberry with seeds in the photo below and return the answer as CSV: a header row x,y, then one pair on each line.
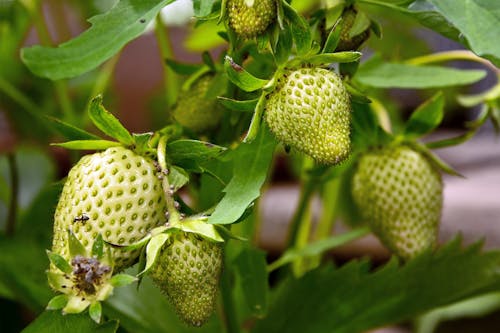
x,y
195,110
250,18
310,110
188,270
115,193
399,192
348,42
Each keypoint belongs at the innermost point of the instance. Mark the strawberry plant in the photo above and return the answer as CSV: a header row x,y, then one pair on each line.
x,y
132,201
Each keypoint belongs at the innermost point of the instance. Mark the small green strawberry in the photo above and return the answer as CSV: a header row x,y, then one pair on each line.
x,y
348,42
250,18
399,192
194,110
188,270
310,110
115,193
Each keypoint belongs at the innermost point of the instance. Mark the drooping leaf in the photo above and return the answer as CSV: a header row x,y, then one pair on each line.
x,y
251,267
108,123
328,299
108,34
240,77
391,75
251,163
177,177
426,117
478,21
56,322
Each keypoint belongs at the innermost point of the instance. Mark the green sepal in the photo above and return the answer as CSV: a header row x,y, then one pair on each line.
x,y
226,234
59,262
200,227
108,123
240,77
426,117
57,280
361,23
283,47
95,311
75,246
141,141
57,302
333,38
254,128
87,144
120,280
134,246
177,177
434,159
337,57
76,304
69,131
241,106
153,250
98,247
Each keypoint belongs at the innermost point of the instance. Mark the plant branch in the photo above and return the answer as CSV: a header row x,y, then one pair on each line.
x,y
14,192
169,76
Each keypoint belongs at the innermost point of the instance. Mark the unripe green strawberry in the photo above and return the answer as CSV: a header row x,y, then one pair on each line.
x,y
188,270
347,42
399,192
194,110
310,110
115,193
250,18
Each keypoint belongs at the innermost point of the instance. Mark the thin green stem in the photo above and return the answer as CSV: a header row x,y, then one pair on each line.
x,y
306,192
17,96
14,192
60,86
329,209
450,56
228,306
169,76
174,216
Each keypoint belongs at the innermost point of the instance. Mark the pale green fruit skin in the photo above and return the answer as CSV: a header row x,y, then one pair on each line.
x,y
400,194
120,193
249,22
188,271
194,110
310,110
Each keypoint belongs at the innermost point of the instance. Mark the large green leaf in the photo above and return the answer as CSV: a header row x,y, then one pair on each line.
x,y
478,21
395,75
251,163
353,299
55,322
107,35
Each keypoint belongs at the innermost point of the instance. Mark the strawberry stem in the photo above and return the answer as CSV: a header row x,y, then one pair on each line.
x,y
174,216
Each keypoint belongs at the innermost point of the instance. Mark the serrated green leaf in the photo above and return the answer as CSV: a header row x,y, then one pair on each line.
x,y
251,267
240,77
69,131
329,299
426,117
108,34
120,280
317,247
184,149
56,322
177,177
242,106
76,248
153,249
251,164
478,21
59,262
300,29
391,75
108,123
337,57
95,311
98,247
57,302
87,144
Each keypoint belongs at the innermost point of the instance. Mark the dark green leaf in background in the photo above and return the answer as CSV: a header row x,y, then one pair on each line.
x,y
56,322
251,164
352,299
107,35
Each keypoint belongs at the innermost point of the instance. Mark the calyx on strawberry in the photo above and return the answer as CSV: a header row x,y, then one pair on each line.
x,y
250,18
195,110
115,193
399,192
310,110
